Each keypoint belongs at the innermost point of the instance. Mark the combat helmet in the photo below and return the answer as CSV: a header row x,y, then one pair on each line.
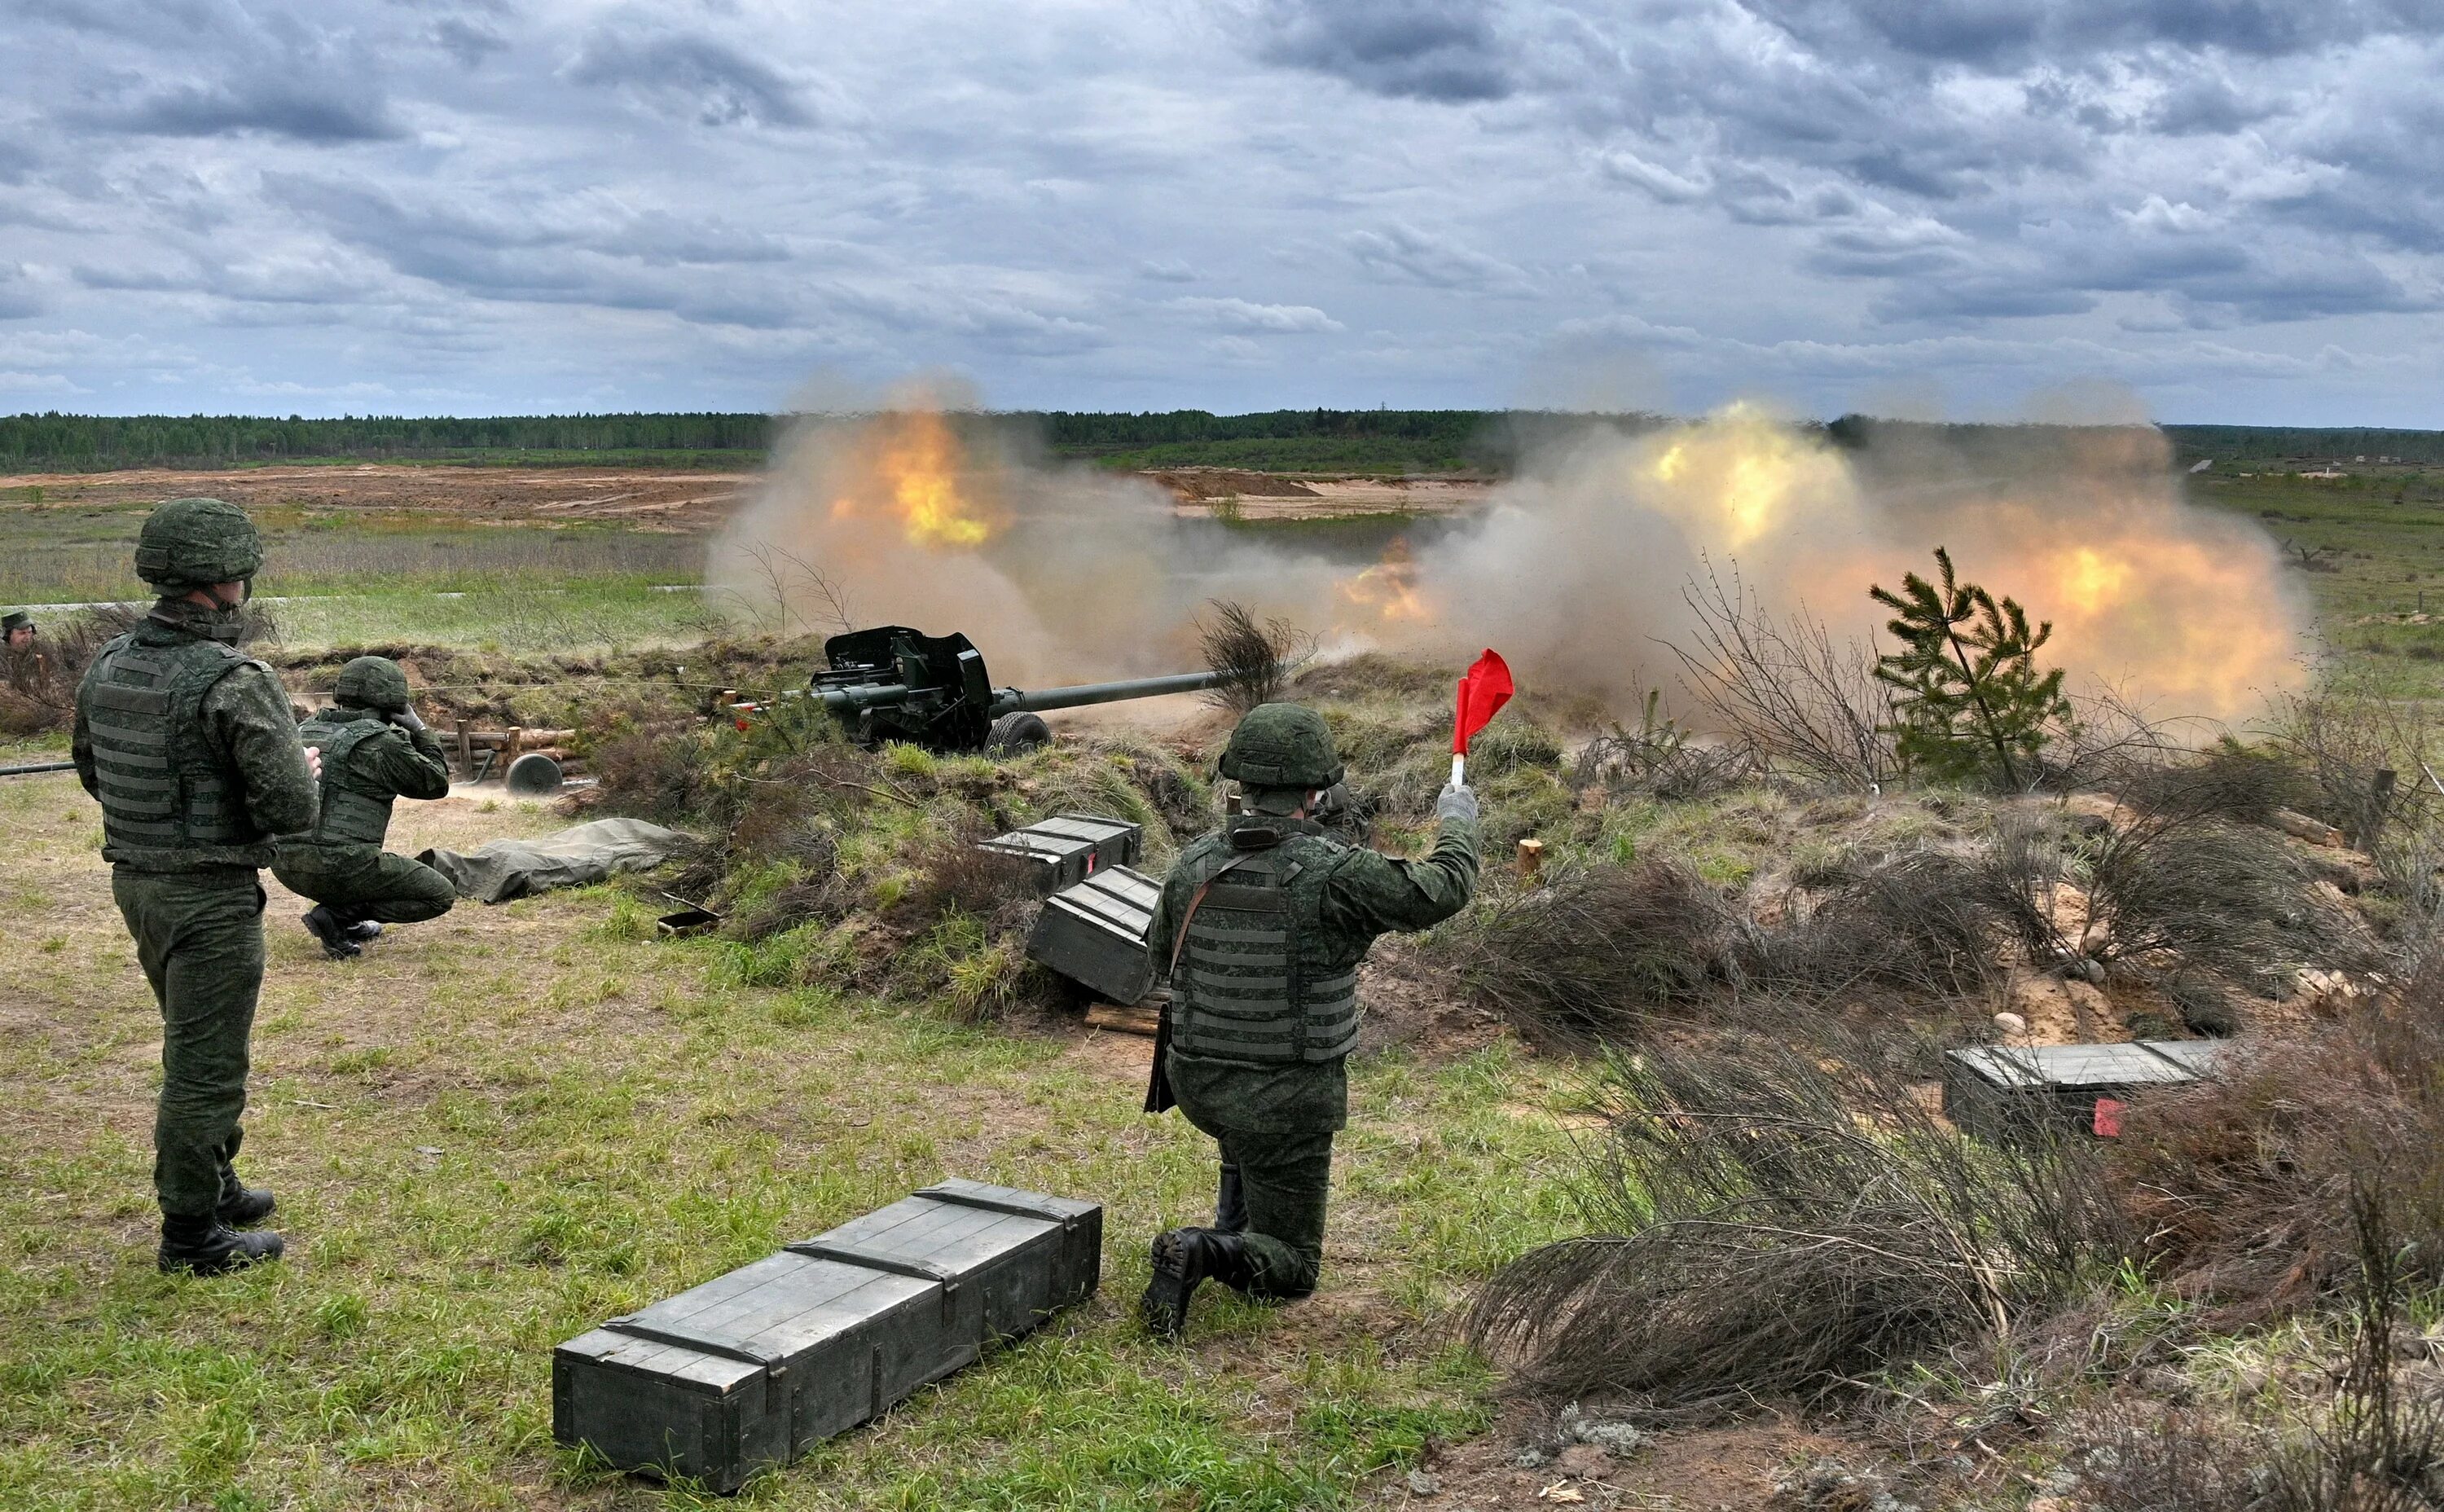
x,y
1281,746
189,544
372,682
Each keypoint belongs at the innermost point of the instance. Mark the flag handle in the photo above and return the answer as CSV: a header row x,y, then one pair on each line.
x,y
1459,769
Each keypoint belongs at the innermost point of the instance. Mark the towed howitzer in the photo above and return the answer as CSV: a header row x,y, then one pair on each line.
x,y
892,683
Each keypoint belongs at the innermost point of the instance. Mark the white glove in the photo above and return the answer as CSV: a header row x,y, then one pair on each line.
x,y
406,719
314,760
1456,803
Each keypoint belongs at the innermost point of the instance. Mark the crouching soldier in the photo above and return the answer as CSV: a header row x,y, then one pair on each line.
x,y
374,749
1261,927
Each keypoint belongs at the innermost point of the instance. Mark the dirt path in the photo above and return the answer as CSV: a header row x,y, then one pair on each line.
x,y
641,498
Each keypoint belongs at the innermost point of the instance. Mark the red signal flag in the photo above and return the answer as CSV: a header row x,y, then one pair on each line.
x,y
1482,693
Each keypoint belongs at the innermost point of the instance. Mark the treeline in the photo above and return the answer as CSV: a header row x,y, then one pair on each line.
x,y
75,443
1281,441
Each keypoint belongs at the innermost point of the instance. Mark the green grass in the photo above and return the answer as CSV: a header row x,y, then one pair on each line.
x,y
2381,530
501,1128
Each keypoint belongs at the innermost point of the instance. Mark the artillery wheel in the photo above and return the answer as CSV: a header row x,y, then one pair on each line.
x,y
533,775
1012,734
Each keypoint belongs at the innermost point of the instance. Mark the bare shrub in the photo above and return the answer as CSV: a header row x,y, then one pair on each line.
x,y
954,876
1594,951
2228,780
2375,1448
2191,894
1254,657
1922,924
1804,703
1777,1218
2242,1185
1658,759
2358,746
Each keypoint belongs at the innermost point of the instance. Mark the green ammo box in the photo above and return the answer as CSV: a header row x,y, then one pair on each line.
x,y
1069,848
752,1369
2001,1092
1095,932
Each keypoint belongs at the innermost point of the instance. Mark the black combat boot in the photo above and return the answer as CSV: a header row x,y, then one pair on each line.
x,y
1182,1258
241,1206
325,926
205,1246
1230,1203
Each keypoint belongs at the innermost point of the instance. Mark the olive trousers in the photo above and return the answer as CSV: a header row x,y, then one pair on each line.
x,y
199,939
359,882
1285,1182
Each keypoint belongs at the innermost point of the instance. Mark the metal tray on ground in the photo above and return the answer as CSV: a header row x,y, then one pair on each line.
x,y
1095,932
2001,1092
755,1368
1069,848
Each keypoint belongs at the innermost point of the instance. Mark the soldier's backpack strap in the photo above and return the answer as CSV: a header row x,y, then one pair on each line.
x,y
1179,941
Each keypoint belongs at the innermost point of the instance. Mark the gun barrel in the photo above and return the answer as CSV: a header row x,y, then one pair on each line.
x,y
864,696
1010,701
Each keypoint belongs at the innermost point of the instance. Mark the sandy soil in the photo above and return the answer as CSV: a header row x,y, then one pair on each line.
x,y
681,500
1283,496
651,499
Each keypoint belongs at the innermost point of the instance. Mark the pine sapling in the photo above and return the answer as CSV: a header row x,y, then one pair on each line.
x,y
1968,677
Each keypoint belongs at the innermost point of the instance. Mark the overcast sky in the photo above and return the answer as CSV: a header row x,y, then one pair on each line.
x,y
2214,210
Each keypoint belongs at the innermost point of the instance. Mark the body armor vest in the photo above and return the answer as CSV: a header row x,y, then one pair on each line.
x,y
169,802
356,809
1255,980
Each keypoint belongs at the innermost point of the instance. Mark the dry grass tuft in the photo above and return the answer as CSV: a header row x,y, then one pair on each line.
x,y
1771,1218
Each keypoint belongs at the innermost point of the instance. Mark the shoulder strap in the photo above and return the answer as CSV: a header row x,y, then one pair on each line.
x,y
1179,941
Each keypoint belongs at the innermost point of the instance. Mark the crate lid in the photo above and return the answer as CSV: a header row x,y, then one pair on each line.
x,y
736,1327
2081,1067
1062,835
1118,899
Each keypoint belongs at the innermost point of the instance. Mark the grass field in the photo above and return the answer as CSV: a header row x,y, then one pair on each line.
x,y
495,1131
499,1128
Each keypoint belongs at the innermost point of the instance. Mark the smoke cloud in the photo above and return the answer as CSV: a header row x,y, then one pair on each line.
x,y
1575,568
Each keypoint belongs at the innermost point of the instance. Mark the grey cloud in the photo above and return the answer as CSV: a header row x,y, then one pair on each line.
x,y
1403,252
1243,315
19,297
2002,32
1623,166
1424,49
688,77
260,103
1166,270
470,41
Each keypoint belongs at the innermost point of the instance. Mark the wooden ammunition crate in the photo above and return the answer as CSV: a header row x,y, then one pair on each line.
x,y
752,1369
1069,848
1095,932
2005,1091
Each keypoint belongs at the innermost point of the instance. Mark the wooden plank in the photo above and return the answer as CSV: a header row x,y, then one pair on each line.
x,y
1120,1019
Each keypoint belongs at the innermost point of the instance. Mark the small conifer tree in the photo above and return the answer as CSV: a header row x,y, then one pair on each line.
x,y
1971,697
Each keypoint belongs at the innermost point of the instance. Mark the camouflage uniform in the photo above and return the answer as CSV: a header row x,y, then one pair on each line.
x,y
190,748
1264,1007
368,762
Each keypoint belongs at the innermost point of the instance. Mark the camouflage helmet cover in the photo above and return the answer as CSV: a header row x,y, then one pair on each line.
x,y
372,682
1281,746
196,543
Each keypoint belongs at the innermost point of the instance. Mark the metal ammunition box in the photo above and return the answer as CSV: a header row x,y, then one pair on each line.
x,y
752,1369
2002,1093
1096,933
1069,848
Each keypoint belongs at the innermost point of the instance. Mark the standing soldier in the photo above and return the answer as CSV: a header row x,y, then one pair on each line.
x,y
191,749
374,749
1261,927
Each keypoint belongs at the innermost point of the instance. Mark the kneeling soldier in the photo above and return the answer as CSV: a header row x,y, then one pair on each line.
x,y
374,749
1261,927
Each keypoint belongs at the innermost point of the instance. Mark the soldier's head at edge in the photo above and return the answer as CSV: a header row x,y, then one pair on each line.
x,y
372,682
197,545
